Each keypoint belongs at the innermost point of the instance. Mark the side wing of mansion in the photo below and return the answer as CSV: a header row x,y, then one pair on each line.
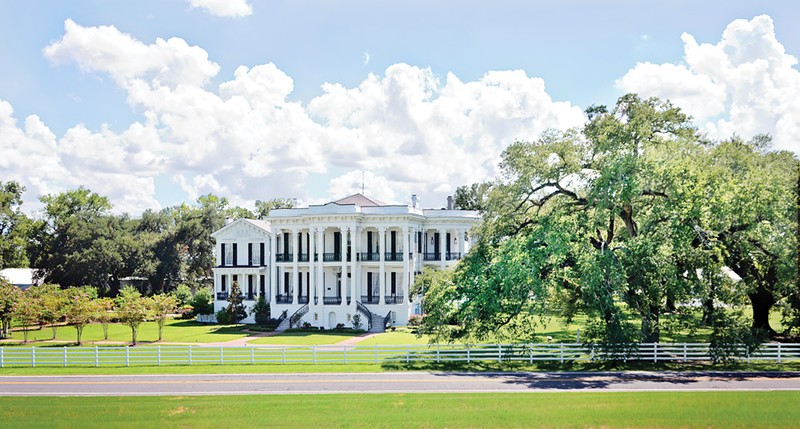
x,y
324,264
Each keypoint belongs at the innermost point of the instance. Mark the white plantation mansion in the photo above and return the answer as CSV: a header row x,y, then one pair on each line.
x,y
324,264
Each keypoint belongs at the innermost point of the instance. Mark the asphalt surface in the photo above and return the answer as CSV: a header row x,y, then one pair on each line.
x,y
405,382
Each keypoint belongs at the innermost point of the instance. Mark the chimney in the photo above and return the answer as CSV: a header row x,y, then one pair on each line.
x,y
414,200
449,202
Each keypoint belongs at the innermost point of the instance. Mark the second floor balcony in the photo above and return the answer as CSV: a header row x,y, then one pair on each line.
x,y
284,257
283,299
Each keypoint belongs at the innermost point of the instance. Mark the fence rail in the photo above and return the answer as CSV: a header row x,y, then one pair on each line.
x,y
354,354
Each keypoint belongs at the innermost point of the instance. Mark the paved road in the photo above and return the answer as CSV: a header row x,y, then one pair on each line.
x,y
405,382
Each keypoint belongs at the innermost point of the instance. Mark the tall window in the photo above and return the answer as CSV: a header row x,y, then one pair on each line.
x,y
228,249
255,254
222,286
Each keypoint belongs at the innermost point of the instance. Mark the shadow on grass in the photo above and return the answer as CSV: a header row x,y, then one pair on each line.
x,y
486,366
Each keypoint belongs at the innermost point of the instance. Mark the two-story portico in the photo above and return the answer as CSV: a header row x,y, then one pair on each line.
x,y
358,256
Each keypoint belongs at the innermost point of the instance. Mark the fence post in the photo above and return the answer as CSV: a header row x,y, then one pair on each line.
x,y
252,355
530,353
33,357
437,352
65,356
127,356
468,358
1,358
561,352
220,356
684,352
190,355
779,352
592,356
655,352
158,354
283,355
499,353
748,353
96,356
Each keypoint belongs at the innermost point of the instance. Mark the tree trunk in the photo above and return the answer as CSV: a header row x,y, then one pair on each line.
x,y
651,333
762,301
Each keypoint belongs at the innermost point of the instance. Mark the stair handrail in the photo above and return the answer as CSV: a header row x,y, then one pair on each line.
x,y
367,314
387,319
297,315
282,316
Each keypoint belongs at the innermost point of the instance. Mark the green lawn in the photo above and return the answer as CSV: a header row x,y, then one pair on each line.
x,y
400,336
519,410
305,338
179,331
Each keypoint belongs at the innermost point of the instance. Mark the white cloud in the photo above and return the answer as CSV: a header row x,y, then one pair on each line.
x,y
745,84
105,49
224,8
409,130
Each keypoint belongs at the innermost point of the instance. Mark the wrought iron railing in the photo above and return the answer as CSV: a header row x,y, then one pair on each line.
x,y
302,299
453,256
303,257
370,256
283,299
389,256
374,299
298,315
431,257
222,296
393,299
366,313
387,321
284,257
331,300
331,257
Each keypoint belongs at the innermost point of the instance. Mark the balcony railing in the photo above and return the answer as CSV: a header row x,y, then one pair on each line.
x,y
453,256
302,300
331,257
284,257
394,299
370,299
331,300
303,257
393,256
370,256
222,296
283,299
431,257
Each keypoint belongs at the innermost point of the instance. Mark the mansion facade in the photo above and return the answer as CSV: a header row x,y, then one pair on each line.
x,y
325,264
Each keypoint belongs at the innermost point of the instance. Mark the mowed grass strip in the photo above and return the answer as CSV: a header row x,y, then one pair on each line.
x,y
776,409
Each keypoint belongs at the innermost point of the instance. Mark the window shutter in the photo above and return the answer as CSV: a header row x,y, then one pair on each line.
x,y
222,258
261,255
235,257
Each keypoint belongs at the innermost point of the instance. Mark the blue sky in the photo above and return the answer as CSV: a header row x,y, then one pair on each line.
x,y
421,96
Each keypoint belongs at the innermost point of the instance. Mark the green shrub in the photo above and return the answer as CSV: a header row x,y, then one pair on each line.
x,y
223,318
261,312
201,302
183,294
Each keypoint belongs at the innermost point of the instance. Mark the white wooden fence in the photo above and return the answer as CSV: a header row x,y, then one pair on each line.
x,y
356,354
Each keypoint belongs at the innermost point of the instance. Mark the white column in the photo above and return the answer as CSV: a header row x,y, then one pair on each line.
x,y
382,256
406,256
461,244
320,267
295,274
357,267
354,289
343,254
442,246
273,269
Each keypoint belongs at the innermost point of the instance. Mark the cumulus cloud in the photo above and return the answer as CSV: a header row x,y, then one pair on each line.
x,y
744,84
409,129
224,8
